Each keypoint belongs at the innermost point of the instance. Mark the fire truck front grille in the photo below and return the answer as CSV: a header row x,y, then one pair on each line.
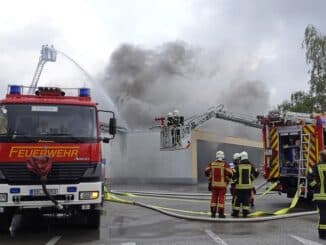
x,y
60,173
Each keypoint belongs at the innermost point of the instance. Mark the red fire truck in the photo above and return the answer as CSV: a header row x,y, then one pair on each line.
x,y
51,158
292,142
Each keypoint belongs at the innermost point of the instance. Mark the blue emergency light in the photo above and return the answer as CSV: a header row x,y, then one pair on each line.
x,y
15,190
71,189
84,92
14,89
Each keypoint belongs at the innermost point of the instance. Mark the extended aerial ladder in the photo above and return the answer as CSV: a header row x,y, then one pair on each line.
x,y
47,54
178,136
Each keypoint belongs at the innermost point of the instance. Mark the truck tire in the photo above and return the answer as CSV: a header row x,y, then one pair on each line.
x,y
93,219
5,220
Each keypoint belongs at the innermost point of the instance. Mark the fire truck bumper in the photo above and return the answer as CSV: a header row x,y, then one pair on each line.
x,y
86,195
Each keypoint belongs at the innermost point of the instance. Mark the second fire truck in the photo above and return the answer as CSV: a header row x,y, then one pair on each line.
x,y
291,143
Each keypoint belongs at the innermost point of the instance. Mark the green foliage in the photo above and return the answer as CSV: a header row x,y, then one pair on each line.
x,y
300,102
315,100
315,45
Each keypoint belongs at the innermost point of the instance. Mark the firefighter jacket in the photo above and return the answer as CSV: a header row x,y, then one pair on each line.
x,y
219,174
244,174
317,180
169,120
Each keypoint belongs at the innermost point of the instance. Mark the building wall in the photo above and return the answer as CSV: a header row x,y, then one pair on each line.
x,y
206,153
136,157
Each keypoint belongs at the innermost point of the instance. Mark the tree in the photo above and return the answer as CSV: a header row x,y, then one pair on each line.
x,y
315,99
300,102
315,45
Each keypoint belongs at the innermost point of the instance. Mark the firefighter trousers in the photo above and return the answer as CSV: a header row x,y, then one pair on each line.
x,y
232,191
218,198
241,198
322,219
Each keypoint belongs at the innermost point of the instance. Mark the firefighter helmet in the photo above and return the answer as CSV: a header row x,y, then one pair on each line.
x,y
175,113
244,155
220,155
236,156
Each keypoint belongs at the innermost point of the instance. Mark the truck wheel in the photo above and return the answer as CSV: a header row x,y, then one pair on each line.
x,y
5,220
93,219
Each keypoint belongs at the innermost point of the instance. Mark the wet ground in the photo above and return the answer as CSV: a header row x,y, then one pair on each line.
x,y
128,224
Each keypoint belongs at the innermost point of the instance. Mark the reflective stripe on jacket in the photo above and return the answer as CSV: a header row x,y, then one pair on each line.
x,y
219,173
317,178
244,175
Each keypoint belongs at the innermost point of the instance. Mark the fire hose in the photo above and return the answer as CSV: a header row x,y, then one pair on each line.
x,y
41,166
258,216
188,196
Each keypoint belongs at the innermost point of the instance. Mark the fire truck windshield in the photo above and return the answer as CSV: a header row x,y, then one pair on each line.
x,y
59,123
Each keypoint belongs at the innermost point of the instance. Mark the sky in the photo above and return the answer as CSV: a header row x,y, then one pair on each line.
x,y
232,41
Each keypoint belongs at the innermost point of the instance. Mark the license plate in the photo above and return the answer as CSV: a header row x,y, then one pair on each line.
x,y
40,192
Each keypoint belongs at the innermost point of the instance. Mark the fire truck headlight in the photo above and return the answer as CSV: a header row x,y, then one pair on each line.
x,y
3,197
88,195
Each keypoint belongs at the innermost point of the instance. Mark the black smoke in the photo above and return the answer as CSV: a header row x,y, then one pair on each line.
x,y
148,82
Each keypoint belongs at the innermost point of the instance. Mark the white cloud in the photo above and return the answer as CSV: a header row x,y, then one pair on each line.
x,y
72,26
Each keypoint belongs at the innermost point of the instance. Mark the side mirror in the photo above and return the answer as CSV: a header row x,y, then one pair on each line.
x,y
113,126
110,128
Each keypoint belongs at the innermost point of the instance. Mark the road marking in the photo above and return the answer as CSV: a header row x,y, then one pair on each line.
x,y
305,241
215,237
128,243
53,240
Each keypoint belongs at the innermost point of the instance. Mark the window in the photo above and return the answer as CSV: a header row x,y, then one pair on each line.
x,y
64,123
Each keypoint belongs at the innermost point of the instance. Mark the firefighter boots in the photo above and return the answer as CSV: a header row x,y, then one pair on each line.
x,y
221,215
245,213
322,234
235,214
213,212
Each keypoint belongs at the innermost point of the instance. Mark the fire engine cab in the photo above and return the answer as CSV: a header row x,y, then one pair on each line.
x,y
50,148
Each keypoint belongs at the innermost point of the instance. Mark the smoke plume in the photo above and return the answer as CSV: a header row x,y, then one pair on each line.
x,y
147,83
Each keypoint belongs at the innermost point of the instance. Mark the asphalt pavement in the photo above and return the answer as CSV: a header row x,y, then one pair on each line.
x,y
129,224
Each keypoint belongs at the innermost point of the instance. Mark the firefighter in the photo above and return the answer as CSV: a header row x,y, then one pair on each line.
x,y
169,119
170,124
317,180
236,159
176,124
176,118
219,175
243,176
232,165
43,127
